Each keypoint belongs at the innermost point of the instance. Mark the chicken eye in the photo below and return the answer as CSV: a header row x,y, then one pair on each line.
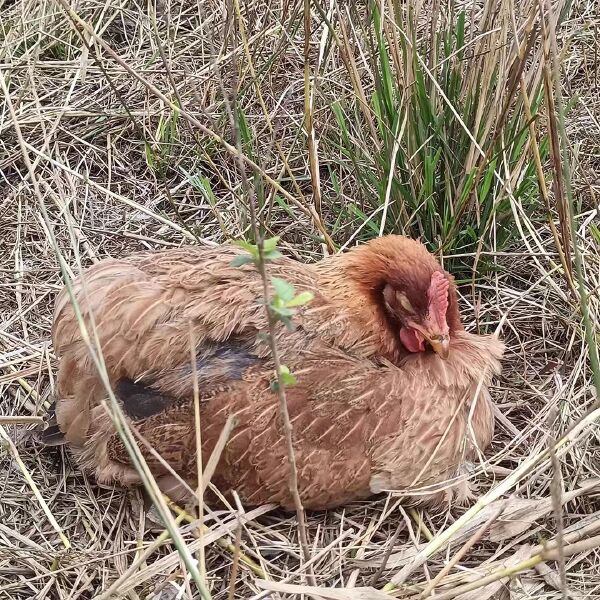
x,y
404,302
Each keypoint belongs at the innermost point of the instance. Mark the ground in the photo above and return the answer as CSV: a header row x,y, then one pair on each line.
x,y
98,163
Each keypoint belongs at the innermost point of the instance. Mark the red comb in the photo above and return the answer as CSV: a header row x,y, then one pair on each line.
x,y
438,299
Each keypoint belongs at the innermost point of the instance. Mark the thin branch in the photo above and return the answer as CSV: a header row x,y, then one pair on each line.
x,y
272,322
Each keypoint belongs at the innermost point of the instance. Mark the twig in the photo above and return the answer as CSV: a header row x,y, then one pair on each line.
x,y
418,519
213,460
535,151
259,95
236,561
21,420
566,239
285,416
262,269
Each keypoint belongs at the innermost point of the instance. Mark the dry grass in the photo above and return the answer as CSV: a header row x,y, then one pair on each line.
x,y
118,172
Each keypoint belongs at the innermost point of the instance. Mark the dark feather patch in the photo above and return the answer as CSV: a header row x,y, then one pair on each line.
x,y
139,400
221,363
215,366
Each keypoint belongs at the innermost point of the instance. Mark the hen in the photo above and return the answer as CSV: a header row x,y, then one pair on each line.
x,y
391,392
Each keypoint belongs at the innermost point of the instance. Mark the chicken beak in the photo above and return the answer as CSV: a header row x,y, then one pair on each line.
x,y
440,345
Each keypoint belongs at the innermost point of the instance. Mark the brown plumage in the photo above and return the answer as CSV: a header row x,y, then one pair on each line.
x,y
374,409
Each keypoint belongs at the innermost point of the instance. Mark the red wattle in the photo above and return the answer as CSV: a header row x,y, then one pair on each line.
x,y
412,340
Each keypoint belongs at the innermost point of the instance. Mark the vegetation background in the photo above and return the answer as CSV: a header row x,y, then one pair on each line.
x,y
472,125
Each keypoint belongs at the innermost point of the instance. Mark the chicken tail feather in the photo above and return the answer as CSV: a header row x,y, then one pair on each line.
x,y
52,435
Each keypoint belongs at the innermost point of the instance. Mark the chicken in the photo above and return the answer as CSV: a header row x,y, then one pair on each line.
x,y
391,392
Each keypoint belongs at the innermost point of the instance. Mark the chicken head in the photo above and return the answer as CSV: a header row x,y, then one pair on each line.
x,y
415,297
420,327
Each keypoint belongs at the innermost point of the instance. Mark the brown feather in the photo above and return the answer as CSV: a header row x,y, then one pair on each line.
x,y
367,415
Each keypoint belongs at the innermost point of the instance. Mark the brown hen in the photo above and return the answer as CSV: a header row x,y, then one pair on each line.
x,y
391,392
